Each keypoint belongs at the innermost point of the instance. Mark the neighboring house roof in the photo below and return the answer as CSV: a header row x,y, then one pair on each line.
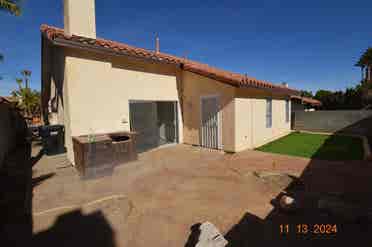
x,y
307,100
58,37
8,99
11,99
4,100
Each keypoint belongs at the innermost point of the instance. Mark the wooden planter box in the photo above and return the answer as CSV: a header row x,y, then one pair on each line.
x,y
98,158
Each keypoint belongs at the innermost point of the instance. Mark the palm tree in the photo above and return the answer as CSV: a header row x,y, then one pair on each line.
x,y
19,82
26,75
11,6
365,63
362,66
28,99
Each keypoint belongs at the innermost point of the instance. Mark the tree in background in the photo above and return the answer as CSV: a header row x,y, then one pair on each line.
x,y
326,98
350,99
354,97
365,64
320,94
11,6
26,75
28,99
305,93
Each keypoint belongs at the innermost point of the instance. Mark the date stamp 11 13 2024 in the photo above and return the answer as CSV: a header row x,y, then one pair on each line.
x,y
303,229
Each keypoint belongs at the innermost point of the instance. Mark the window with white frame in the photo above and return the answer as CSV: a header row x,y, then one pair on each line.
x,y
287,111
269,113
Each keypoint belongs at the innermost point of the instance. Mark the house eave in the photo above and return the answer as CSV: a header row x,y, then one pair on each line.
x,y
106,51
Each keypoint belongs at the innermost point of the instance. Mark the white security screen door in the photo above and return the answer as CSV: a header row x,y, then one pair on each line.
x,y
209,122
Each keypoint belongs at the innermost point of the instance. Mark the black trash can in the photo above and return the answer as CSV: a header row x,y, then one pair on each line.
x,y
53,138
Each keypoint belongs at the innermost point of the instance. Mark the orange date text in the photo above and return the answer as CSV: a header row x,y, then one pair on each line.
x,y
308,229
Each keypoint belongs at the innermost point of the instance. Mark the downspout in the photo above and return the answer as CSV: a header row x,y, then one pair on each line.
x,y
44,80
252,144
181,86
42,84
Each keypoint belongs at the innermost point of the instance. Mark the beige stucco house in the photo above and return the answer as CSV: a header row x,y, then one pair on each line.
x,y
93,85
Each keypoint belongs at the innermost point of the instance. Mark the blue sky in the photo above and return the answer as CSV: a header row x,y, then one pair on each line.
x,y
309,44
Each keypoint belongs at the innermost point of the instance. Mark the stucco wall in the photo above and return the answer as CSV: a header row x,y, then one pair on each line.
x,y
243,123
8,135
196,86
54,86
98,91
250,122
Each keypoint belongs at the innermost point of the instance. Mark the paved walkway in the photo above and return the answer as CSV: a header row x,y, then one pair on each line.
x,y
154,201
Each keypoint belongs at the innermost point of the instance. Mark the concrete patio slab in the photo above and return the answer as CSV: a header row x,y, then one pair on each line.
x,y
156,200
168,191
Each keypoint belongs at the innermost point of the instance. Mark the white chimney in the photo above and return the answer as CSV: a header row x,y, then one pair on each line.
x,y
80,18
284,84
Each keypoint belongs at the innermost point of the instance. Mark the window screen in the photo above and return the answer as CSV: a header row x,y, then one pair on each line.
x,y
269,113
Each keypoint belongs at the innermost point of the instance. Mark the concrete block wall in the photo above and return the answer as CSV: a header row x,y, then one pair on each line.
x,y
12,130
333,121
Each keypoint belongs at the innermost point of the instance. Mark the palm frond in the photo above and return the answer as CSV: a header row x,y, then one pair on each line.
x,y
19,82
29,99
365,59
11,6
26,72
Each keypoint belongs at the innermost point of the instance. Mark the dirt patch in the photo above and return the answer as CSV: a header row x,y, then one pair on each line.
x,y
277,181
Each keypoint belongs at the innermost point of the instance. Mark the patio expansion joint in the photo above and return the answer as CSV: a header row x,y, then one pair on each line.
x,y
71,207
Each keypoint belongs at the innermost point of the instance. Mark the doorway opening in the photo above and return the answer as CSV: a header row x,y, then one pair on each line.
x,y
156,123
210,136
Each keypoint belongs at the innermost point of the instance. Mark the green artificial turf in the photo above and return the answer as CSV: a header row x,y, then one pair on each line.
x,y
317,146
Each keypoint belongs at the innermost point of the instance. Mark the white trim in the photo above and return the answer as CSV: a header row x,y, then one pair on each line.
x,y
219,117
287,111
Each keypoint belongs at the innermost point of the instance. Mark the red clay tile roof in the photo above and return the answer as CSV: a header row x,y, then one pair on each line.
x,y
8,100
3,99
307,100
57,35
